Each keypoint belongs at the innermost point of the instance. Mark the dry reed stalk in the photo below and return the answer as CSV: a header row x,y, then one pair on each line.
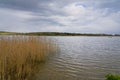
x,y
19,56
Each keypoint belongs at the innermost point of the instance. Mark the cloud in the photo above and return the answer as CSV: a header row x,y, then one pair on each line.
x,y
95,16
88,19
12,20
21,4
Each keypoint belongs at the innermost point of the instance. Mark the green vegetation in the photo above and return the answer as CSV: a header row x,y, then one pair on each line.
x,y
20,56
112,77
7,33
55,34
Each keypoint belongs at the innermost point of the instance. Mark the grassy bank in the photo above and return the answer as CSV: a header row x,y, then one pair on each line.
x,y
20,56
112,77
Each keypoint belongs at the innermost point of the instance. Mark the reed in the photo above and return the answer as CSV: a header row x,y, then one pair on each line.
x,y
20,55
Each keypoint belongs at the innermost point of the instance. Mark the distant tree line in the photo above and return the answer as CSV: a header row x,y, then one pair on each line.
x,y
56,34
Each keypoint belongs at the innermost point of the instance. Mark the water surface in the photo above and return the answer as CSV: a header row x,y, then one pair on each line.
x,y
82,58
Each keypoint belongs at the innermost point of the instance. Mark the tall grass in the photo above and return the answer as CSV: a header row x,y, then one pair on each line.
x,y
20,55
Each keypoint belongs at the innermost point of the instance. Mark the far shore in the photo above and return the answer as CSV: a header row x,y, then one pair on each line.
x,y
56,34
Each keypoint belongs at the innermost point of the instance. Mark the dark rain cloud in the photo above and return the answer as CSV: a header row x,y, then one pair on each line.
x,y
23,4
43,6
113,5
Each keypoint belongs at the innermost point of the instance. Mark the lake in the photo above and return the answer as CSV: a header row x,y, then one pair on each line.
x,y
82,58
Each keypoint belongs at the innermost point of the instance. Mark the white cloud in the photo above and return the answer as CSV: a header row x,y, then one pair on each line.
x,y
87,19
12,20
23,15
74,9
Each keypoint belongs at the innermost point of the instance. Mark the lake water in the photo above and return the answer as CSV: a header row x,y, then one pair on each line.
x,y
82,58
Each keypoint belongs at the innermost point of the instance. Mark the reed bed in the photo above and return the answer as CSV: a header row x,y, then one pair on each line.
x,y
20,56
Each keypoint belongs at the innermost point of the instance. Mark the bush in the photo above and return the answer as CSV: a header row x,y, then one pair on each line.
x,y
112,77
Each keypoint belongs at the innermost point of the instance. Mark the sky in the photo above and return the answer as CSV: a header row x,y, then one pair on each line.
x,y
75,16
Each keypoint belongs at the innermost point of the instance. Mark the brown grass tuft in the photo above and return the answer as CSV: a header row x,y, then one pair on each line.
x,y
19,56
